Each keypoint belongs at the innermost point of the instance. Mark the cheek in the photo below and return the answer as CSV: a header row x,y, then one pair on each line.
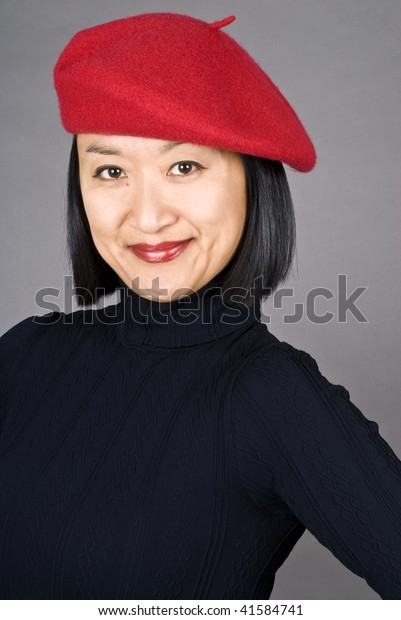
x,y
238,202
230,209
220,213
102,220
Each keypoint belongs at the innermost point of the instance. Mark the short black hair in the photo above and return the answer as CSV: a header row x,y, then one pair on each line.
x,y
260,263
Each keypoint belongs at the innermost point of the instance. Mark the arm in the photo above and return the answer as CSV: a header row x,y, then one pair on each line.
x,y
325,460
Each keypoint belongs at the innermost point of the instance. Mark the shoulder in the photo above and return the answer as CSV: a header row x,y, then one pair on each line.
x,y
13,343
284,410
281,364
20,336
52,323
22,332
285,385
35,337
34,327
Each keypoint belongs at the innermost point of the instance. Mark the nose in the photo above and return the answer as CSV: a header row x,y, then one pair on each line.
x,y
150,207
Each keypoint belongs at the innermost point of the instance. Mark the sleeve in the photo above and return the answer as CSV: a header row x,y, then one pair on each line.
x,y
299,436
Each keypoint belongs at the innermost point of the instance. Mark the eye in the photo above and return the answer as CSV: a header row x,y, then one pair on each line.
x,y
114,173
186,167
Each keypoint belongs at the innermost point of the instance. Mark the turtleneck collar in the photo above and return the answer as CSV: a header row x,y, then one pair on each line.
x,y
200,317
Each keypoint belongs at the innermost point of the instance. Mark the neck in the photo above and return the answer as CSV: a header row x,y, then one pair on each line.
x,y
203,316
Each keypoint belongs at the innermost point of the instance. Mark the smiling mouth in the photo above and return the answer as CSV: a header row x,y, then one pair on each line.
x,y
159,247
160,253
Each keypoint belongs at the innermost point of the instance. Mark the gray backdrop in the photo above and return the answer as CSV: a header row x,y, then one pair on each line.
x,y
338,63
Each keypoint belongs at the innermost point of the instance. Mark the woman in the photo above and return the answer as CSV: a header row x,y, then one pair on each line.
x,y
171,447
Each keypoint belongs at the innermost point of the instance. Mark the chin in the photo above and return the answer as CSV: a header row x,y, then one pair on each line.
x,y
162,287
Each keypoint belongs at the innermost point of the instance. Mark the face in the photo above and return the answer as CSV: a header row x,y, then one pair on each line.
x,y
148,191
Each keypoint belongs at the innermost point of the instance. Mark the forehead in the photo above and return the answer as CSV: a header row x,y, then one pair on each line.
x,y
124,145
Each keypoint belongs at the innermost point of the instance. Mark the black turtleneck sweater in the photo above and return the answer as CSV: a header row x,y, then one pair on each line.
x,y
145,459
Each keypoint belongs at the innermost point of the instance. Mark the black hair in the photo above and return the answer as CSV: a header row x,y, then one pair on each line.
x,y
260,263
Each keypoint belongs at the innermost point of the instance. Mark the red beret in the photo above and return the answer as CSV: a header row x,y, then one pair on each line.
x,y
175,77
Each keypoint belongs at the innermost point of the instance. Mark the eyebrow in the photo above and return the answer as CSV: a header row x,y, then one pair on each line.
x,y
104,150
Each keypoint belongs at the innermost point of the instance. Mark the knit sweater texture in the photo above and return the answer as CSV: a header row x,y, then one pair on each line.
x,y
147,454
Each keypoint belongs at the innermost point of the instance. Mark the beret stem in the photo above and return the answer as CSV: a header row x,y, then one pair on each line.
x,y
222,22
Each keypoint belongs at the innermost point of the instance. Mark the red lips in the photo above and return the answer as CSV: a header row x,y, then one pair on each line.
x,y
166,245
161,252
